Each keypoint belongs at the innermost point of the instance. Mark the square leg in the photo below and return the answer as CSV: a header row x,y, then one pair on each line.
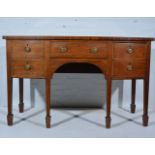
x,y
108,107
48,103
133,93
10,114
21,91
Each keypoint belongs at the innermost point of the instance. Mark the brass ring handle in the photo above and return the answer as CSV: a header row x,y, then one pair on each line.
x,y
94,50
27,49
27,67
130,50
129,67
63,49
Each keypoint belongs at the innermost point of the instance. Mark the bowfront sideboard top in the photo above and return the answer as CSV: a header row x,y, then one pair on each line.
x,y
111,38
41,56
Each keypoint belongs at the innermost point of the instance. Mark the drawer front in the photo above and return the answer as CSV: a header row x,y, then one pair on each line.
x,y
27,48
27,68
128,69
79,49
130,50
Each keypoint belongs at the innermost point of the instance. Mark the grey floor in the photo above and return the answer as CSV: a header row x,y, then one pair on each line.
x,y
77,123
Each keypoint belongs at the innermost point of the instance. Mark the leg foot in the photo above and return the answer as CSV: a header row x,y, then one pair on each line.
x,y
133,108
21,107
48,121
108,122
10,119
145,120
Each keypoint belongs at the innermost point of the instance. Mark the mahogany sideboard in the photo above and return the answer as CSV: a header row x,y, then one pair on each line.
x,y
40,56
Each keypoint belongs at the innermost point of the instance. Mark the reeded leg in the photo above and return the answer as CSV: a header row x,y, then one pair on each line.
x,y
108,107
48,92
145,107
133,93
21,103
10,115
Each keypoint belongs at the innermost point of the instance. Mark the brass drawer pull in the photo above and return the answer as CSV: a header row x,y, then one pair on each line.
x,y
130,50
27,67
63,49
94,50
27,48
129,67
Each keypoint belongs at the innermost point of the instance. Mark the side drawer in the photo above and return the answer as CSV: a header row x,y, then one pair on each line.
x,y
27,48
128,69
130,50
27,68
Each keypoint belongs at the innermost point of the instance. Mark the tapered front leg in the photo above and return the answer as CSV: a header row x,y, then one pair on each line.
x,y
21,91
10,114
108,106
145,107
133,93
48,92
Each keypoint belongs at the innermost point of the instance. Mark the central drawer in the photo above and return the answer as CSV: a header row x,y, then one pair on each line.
x,y
78,49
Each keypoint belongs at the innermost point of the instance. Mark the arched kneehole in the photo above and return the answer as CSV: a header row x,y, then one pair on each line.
x,y
78,68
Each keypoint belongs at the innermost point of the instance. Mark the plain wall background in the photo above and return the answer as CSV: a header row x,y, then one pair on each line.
x,y
76,89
